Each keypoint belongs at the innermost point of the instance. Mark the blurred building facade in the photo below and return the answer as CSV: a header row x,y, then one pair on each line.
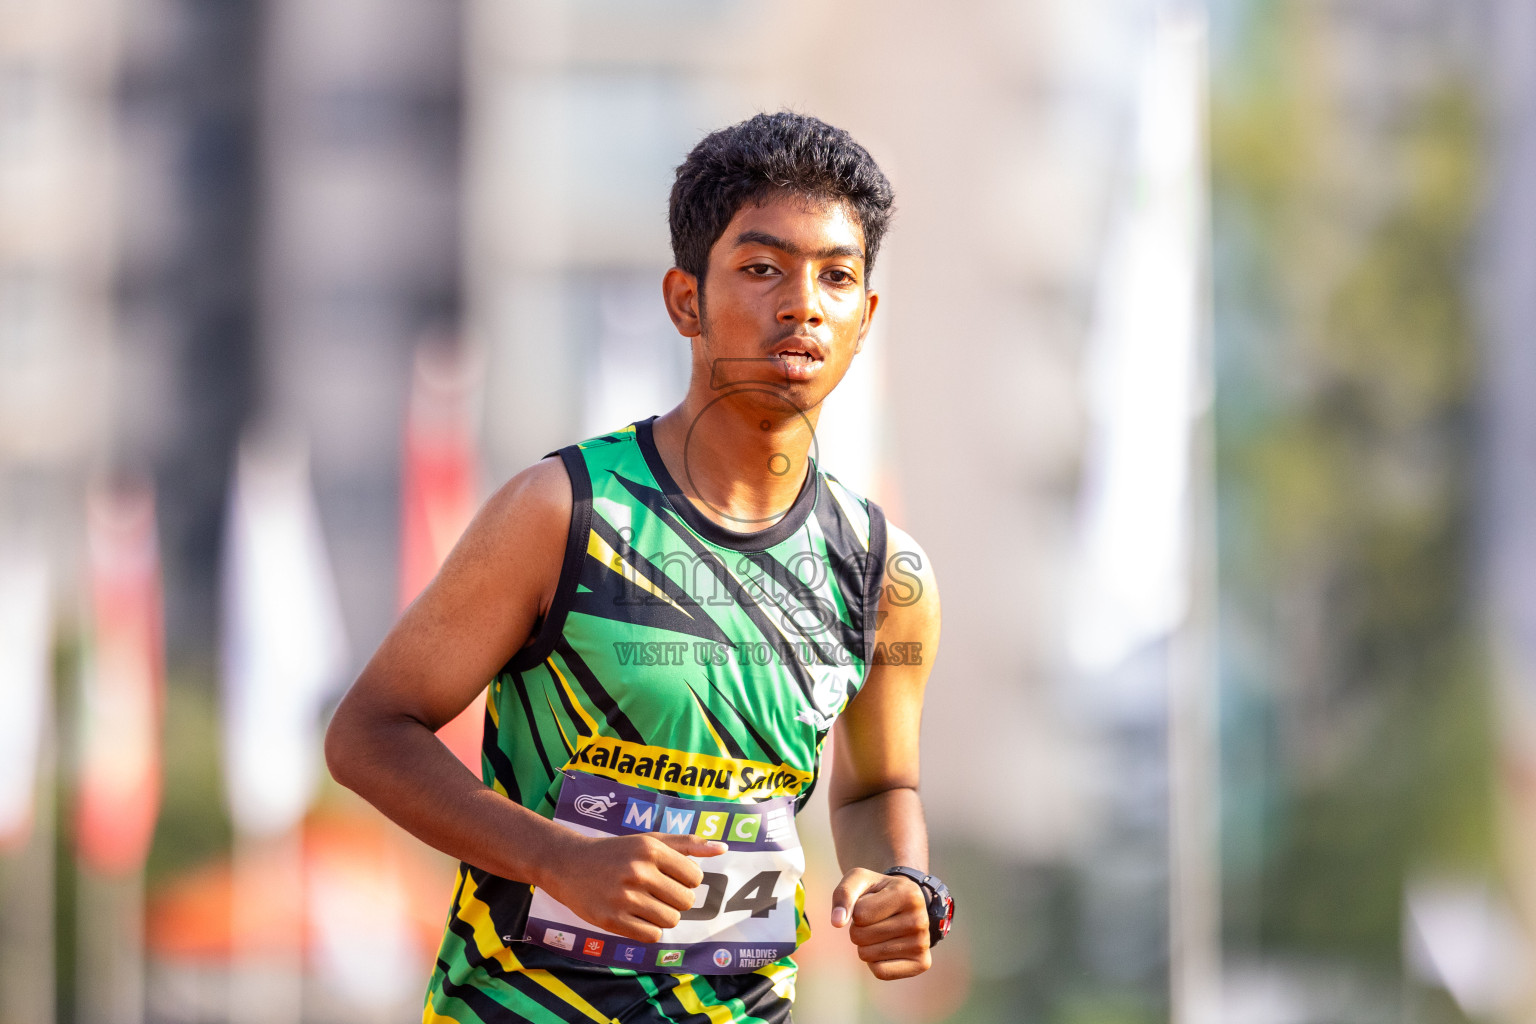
x,y
291,235
216,220
58,203
57,212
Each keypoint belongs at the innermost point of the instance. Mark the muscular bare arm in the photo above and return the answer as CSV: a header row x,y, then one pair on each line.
x,y
485,604
877,817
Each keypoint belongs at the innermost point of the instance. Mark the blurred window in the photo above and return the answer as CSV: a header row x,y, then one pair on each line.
x,y
593,154
29,306
21,109
634,363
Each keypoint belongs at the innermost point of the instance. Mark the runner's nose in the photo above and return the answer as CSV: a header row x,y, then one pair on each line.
x,y
802,299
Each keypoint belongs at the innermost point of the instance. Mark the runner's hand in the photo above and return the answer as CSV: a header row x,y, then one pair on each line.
x,y
890,922
633,886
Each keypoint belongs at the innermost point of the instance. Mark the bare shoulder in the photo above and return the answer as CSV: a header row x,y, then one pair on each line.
x,y
526,521
909,598
497,583
543,484
538,496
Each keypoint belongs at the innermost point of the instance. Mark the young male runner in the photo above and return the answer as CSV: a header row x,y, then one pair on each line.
x,y
673,616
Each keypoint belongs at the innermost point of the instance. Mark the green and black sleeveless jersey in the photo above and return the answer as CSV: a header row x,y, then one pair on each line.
x,y
681,657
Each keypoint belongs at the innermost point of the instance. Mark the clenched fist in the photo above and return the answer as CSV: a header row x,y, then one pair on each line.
x,y
634,886
889,917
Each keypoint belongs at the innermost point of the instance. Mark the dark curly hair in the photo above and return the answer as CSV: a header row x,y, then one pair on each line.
x,y
764,155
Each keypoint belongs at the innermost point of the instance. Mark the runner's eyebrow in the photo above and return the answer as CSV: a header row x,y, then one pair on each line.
x,y
791,249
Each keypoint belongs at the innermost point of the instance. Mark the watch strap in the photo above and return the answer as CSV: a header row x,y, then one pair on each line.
x,y
941,905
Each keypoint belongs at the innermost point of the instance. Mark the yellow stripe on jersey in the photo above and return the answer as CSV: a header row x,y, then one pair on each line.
x,y
474,912
803,929
716,1013
592,729
555,715
783,977
560,990
593,442
603,551
704,717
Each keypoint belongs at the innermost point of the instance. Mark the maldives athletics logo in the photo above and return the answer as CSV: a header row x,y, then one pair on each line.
x,y
722,958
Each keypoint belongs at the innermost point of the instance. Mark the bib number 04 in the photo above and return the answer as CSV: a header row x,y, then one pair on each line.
x,y
755,896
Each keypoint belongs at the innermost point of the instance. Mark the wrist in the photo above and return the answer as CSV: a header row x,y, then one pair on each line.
x,y
550,855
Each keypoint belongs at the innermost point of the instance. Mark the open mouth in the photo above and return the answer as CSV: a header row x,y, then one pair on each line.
x,y
798,363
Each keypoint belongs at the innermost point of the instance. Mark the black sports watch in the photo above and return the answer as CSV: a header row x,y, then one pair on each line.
x,y
941,905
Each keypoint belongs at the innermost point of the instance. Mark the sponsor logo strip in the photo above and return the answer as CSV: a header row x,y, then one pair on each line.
x,y
618,810
698,958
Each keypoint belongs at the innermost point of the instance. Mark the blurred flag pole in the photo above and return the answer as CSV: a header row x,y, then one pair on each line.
x,y
284,653
118,759
1146,531
439,491
26,818
1193,723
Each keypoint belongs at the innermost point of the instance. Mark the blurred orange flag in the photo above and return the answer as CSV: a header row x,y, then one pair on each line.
x,y
122,697
438,493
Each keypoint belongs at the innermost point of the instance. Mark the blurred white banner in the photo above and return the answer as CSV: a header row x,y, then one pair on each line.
x,y
26,670
284,647
1141,372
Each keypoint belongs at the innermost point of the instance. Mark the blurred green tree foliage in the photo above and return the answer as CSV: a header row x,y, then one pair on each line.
x,y
1346,361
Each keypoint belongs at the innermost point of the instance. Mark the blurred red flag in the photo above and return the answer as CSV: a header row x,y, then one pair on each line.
x,y
438,492
122,687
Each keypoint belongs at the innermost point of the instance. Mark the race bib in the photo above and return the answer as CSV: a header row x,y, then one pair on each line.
x,y
743,916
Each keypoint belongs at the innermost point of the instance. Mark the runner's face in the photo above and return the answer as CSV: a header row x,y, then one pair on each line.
x,y
785,295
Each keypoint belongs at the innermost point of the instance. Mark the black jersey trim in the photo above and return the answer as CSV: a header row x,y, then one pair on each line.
x,y
567,701
874,580
773,755
570,567
533,724
760,540
601,699
796,588
848,556
501,765
719,726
